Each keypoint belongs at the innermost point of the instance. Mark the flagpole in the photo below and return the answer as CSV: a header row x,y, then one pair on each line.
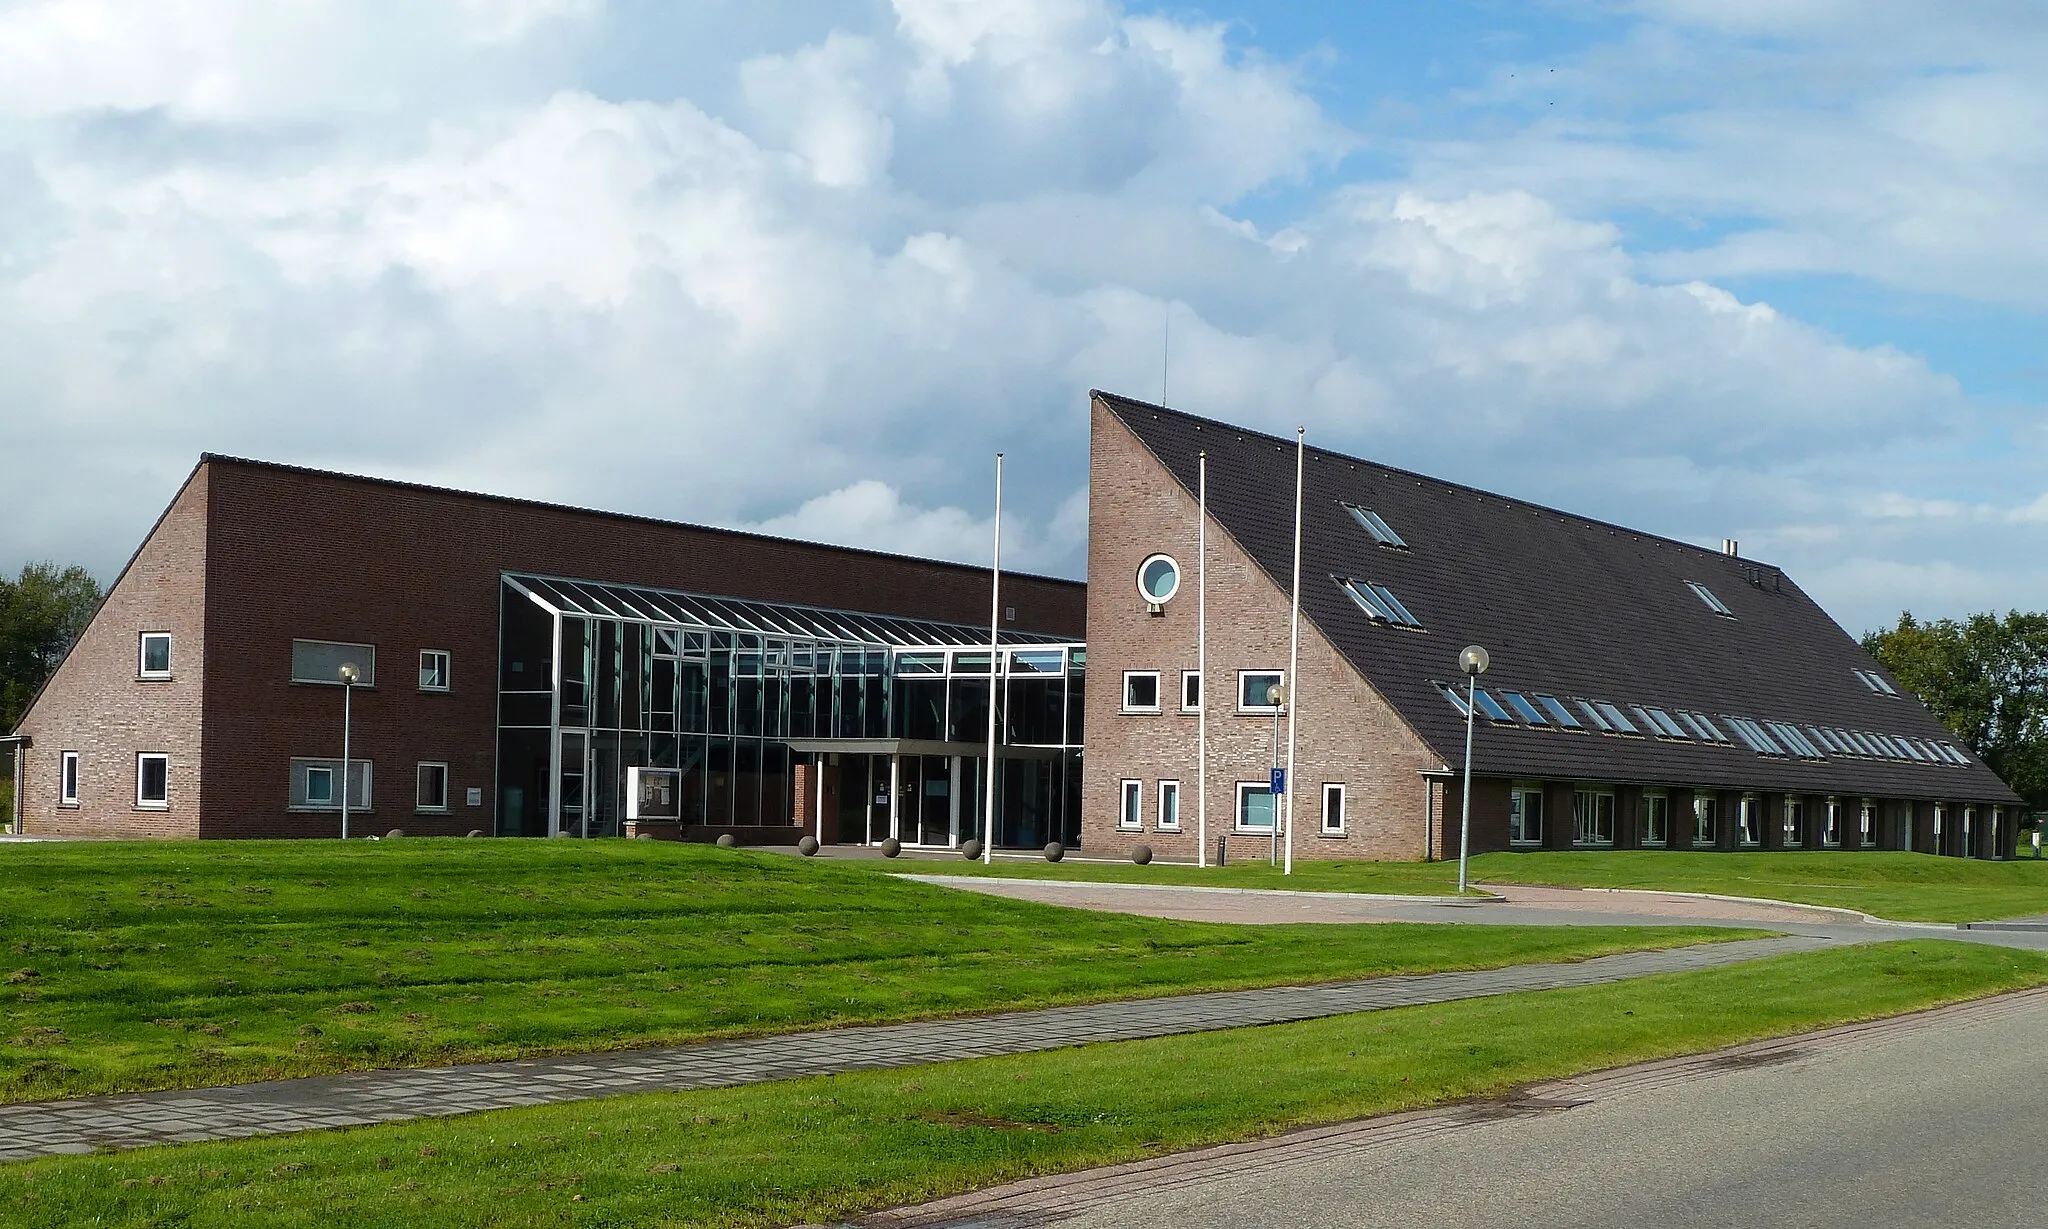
x,y
1294,646
995,671
1202,668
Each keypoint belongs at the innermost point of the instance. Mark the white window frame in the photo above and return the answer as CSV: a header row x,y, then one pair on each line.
x,y
1837,823
328,774
142,670
67,778
1591,826
1128,707
1516,793
1706,819
1195,677
447,669
1664,840
1866,819
362,794
1794,822
1262,709
1160,821
1336,789
1743,811
1130,805
1237,815
152,804
419,805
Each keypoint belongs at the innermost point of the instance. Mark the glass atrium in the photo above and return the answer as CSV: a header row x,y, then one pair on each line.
x,y
620,703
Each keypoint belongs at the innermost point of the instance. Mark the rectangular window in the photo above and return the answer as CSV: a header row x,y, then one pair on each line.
x,y
1525,815
1378,602
1876,682
153,781
1558,712
1706,595
1490,708
1169,806
668,642
1522,708
1592,817
1705,727
1191,691
1868,819
1254,688
433,669
1663,723
1833,834
1141,691
67,778
153,659
1703,817
1752,831
1254,806
1373,524
1656,818
1333,809
320,661
1593,716
1615,720
1131,813
1795,822
316,785
431,788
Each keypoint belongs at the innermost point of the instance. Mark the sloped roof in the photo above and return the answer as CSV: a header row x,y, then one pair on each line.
x,y
1567,606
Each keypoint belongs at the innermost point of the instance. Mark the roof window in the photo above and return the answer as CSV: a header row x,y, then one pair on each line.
x,y
1559,713
1381,532
1616,721
1876,682
1593,716
1661,721
1801,745
1703,726
1489,707
1707,595
1378,602
1523,709
1754,736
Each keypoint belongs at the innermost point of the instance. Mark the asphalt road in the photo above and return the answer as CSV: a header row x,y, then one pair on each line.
x,y
1925,1121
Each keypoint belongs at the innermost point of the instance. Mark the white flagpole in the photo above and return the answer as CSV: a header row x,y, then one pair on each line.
x,y
995,672
1202,669
1294,646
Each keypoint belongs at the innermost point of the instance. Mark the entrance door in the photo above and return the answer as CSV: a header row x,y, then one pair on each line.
x,y
935,800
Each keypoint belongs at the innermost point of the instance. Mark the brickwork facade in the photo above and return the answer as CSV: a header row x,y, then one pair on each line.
x,y
253,556
1345,735
98,705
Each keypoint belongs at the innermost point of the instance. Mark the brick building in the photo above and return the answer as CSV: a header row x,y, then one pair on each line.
x,y
533,669
1643,692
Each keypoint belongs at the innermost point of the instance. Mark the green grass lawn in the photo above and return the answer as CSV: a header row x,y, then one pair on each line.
x,y
1379,878
170,965
1904,887
823,1149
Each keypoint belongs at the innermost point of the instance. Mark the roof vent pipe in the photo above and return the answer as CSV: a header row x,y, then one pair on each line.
x,y
1730,548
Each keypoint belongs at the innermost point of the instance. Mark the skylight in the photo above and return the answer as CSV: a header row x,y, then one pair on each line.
x,y
1707,595
1378,602
1490,708
1381,532
1876,682
1704,727
1801,745
1593,715
1557,710
1755,736
1828,740
1523,709
1615,718
1662,720
1452,694
1911,750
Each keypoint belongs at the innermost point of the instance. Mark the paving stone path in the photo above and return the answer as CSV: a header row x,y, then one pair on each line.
x,y
238,1111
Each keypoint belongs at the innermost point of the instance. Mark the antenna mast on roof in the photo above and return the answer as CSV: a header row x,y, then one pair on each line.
x,y
1165,349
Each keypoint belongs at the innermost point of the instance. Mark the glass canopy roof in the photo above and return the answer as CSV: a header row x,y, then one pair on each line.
x,y
612,601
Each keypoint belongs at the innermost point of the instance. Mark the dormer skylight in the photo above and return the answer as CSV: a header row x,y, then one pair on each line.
x,y
1381,532
1876,682
1707,595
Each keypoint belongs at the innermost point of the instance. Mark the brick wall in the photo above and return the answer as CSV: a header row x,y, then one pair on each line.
x,y
1346,733
95,704
296,554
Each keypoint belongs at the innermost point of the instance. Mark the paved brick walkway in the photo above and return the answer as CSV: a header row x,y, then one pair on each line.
x,y
138,1119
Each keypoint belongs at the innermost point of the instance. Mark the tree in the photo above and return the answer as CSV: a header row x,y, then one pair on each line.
x,y
1987,679
41,613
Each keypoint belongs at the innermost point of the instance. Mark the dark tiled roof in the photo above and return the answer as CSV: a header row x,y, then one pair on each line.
x,y
1566,606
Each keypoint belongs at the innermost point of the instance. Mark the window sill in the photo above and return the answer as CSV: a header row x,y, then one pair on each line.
x,y
434,691
431,811
353,810
1332,836
67,806
1535,844
1261,712
335,683
152,806
1140,712
1163,830
155,678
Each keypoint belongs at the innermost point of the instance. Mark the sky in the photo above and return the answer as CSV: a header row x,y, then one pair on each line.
x,y
1762,269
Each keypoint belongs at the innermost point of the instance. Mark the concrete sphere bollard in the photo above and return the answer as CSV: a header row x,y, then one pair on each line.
x,y
643,836
474,832
395,832
808,846
971,850
1142,854
727,840
891,847
1054,851
565,832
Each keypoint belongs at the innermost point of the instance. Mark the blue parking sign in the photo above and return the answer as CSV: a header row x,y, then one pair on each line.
x,y
1279,780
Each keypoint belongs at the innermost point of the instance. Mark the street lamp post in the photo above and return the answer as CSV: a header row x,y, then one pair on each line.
x,y
348,675
1473,661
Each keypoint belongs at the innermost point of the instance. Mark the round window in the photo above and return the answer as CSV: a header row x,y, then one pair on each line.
x,y
1158,579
